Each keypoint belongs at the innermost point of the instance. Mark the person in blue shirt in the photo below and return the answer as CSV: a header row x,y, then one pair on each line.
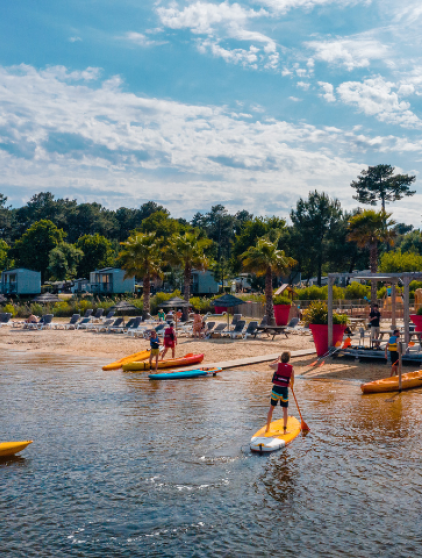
x,y
154,342
393,349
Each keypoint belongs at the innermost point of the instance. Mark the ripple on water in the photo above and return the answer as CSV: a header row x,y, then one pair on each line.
x,y
121,466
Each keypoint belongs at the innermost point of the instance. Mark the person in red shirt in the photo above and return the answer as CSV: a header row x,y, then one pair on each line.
x,y
283,378
170,341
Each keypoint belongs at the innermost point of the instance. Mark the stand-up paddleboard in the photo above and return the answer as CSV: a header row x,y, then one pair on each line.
x,y
184,375
275,439
11,448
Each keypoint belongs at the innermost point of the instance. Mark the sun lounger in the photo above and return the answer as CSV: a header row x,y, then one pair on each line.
x,y
45,322
131,330
5,318
252,329
101,326
104,327
238,330
110,314
209,328
98,314
218,330
236,318
88,313
70,325
83,323
122,328
292,326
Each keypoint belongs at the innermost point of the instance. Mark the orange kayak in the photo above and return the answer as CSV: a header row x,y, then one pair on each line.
x,y
408,381
119,363
187,360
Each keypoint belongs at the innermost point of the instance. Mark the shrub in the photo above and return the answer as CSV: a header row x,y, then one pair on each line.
x,y
61,309
10,309
419,311
317,313
281,299
356,291
36,309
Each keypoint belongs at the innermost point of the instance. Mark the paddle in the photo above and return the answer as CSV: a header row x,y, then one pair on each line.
x,y
303,424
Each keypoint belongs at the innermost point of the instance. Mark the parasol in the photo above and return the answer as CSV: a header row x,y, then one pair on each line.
x,y
227,301
123,306
46,298
175,302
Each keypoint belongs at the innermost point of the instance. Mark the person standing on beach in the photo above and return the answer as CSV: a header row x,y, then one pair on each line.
x,y
283,378
374,320
170,341
197,324
154,342
393,349
161,315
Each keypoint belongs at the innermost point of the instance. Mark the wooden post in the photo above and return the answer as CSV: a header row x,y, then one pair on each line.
x,y
330,311
400,348
393,305
406,314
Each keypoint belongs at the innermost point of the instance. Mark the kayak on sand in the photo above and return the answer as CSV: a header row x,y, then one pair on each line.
x,y
185,374
408,381
119,363
187,360
11,448
275,438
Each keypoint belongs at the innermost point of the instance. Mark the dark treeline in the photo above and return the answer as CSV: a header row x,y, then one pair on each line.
x,y
64,239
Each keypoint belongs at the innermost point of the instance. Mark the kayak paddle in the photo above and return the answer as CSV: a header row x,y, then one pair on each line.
x,y
303,424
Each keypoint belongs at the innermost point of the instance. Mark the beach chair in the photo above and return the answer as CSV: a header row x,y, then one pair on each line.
x,y
218,330
209,328
236,318
88,313
5,318
123,327
107,328
292,326
238,329
83,323
101,326
70,325
251,330
98,314
45,322
159,329
110,314
131,330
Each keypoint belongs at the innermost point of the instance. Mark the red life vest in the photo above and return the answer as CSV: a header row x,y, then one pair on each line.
x,y
283,374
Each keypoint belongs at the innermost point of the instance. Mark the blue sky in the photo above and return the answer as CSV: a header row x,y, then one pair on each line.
x,y
192,103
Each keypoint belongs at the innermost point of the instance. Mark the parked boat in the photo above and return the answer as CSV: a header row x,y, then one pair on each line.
x,y
408,381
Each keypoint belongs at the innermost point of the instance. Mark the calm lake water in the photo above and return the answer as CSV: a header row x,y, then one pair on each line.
x,y
125,467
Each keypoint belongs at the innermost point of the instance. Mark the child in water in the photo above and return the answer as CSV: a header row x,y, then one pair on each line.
x,y
154,342
393,349
283,378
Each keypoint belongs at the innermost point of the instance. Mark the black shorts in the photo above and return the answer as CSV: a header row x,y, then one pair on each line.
x,y
281,394
394,355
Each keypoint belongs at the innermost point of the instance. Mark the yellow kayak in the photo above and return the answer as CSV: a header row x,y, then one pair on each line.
x,y
275,438
142,355
10,448
408,381
187,360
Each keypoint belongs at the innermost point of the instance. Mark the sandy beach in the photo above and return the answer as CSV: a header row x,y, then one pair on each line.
x,y
110,347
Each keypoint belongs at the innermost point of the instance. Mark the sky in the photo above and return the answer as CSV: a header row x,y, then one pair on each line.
x,y
191,103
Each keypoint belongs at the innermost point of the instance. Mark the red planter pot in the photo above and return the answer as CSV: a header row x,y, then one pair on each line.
x,y
417,320
320,333
281,314
220,309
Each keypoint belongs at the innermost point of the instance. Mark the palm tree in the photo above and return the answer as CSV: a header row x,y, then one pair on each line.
x,y
142,257
266,259
368,229
187,250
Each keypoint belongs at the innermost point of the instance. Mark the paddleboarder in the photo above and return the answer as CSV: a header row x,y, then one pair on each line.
x,y
283,378
392,348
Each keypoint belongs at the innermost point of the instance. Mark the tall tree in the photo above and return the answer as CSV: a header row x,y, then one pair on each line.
x,y
379,183
315,220
6,219
63,261
162,224
97,253
142,257
4,250
368,229
33,249
188,251
265,259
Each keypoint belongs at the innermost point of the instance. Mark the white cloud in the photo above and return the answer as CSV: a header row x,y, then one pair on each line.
x,y
74,39
378,97
328,91
222,22
141,40
351,52
284,6
303,85
60,132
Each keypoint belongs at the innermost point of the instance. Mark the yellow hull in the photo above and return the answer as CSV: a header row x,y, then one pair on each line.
x,y
275,438
408,381
187,360
10,448
119,363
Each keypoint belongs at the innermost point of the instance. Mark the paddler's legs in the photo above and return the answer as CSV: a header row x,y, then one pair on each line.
x,y
269,417
163,354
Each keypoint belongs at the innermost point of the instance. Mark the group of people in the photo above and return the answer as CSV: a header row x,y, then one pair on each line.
x,y
169,342
392,347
